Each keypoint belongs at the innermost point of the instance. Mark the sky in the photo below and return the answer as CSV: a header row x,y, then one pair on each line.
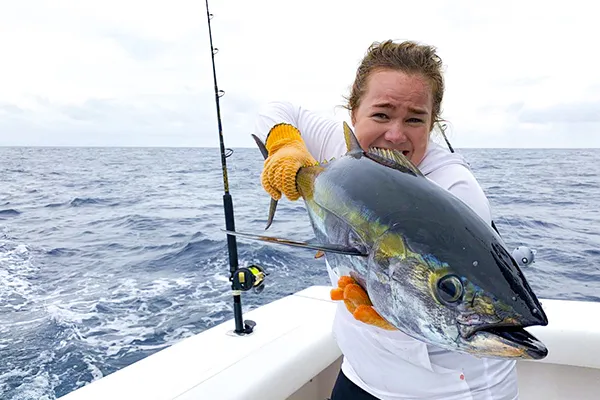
x,y
138,73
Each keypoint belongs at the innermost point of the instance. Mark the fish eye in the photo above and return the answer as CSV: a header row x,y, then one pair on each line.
x,y
450,288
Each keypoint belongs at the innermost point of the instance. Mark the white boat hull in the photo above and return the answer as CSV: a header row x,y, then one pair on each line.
x,y
292,355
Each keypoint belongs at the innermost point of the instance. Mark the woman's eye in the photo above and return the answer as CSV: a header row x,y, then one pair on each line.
x,y
380,116
415,120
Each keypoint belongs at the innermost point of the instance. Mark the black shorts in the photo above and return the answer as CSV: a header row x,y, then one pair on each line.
x,y
345,389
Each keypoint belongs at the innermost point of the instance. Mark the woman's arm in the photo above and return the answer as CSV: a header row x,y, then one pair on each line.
x,y
321,135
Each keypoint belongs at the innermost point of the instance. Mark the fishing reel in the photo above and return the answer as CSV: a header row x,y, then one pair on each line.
x,y
242,280
252,277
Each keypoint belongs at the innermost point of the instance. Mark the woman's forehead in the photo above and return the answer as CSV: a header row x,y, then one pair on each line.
x,y
391,89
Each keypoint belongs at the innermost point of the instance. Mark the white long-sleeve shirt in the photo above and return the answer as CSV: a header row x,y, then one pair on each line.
x,y
390,364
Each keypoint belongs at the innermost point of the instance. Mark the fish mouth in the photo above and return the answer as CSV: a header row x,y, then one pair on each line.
x,y
515,338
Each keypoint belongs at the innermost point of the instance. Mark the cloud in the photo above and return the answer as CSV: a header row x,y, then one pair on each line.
x,y
141,120
574,113
132,72
139,48
8,110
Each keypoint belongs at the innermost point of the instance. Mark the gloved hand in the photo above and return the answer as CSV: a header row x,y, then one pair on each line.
x,y
287,154
358,303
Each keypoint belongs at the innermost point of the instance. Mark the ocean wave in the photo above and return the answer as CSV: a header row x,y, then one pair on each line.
x,y
9,212
119,253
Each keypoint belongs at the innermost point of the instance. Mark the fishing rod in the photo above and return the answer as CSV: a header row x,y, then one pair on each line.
x,y
242,279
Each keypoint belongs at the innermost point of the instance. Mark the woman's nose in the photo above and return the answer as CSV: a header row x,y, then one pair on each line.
x,y
395,135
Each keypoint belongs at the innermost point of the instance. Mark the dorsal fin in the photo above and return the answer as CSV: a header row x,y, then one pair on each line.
x,y
393,159
352,145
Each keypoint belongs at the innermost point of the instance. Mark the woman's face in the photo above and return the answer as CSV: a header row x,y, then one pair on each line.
x,y
395,112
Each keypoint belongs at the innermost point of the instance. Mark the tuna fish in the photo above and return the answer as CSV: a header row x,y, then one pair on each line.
x,y
430,265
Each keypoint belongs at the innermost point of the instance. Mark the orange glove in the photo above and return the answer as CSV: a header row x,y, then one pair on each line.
x,y
358,303
287,154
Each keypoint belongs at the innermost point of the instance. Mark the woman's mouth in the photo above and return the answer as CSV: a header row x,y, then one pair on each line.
x,y
405,153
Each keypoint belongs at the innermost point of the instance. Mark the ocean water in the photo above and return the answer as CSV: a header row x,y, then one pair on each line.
x,y
108,255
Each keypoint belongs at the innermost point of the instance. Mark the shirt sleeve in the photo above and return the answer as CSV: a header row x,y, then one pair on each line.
x,y
459,181
321,135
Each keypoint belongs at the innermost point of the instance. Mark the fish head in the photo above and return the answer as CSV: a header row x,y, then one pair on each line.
x,y
456,304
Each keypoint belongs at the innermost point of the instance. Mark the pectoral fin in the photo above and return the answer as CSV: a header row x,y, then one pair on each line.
x,y
324,247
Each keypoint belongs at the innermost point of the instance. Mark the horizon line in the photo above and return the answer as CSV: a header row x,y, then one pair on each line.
x,y
256,148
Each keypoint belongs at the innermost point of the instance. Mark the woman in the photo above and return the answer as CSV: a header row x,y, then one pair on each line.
x,y
395,102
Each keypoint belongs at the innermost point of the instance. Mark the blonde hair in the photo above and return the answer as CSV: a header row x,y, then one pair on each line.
x,y
408,57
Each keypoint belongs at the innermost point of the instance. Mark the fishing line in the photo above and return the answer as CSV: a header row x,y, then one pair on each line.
x,y
523,254
512,228
443,130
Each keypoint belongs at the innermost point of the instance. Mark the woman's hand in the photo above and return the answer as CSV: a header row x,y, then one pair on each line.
x,y
358,303
287,154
